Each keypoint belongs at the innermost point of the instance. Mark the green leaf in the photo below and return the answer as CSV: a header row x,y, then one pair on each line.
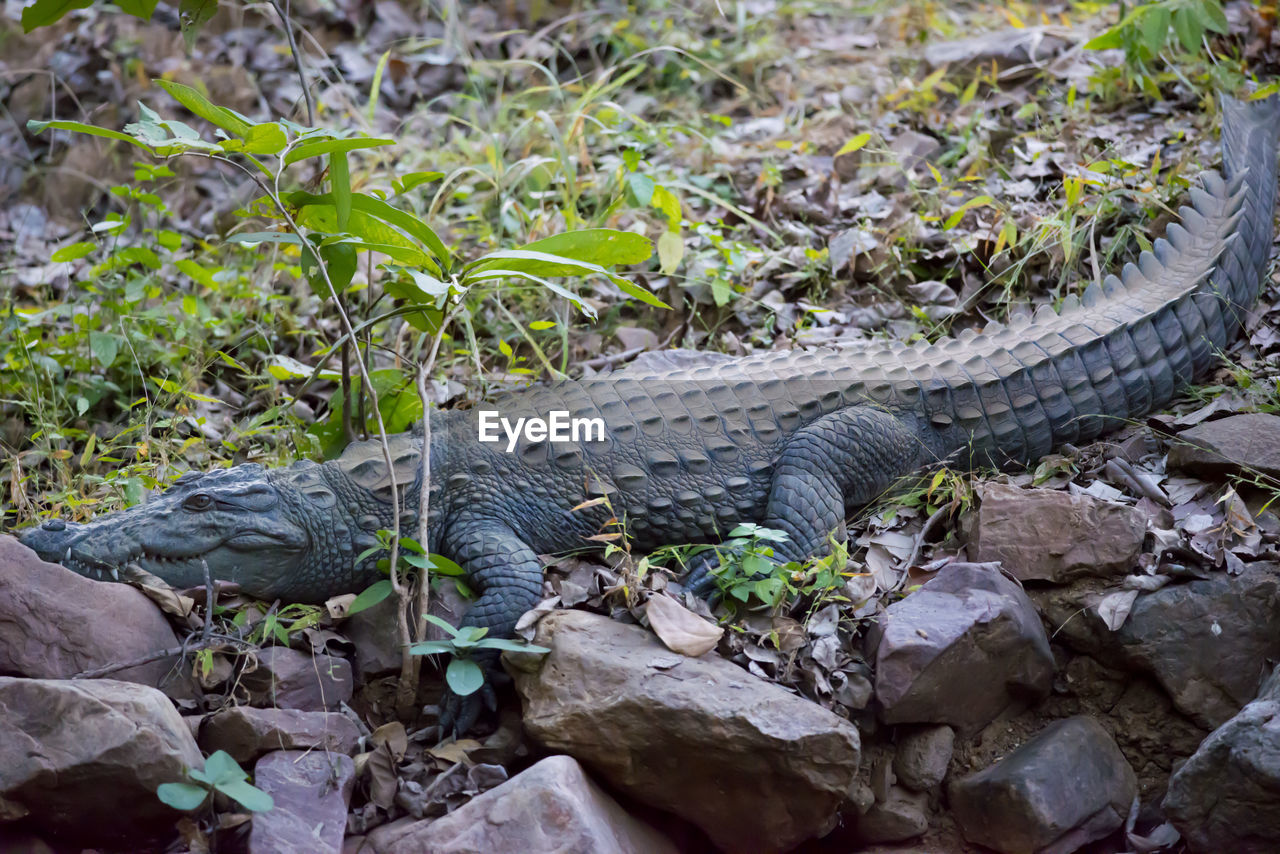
x,y
431,647
543,264
193,15
182,796
1112,38
80,127
441,624
464,676
409,181
443,566
220,768
1212,16
510,645
74,252
604,246
370,596
204,108
1188,29
138,8
670,252
380,210
641,188
248,796
340,184
854,144
105,347
1155,28
489,275
265,138
321,147
42,13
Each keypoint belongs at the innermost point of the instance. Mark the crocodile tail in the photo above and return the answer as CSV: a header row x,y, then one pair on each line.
x,y
1250,137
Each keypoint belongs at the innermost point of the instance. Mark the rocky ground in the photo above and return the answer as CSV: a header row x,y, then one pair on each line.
x,y
1072,658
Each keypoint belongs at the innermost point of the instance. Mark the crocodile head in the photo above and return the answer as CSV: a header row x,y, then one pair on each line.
x,y
252,527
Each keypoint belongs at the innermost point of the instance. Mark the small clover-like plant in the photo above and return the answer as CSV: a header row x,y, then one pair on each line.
x,y
464,675
222,774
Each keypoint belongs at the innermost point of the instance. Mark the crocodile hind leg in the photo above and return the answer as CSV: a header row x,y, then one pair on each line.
x,y
839,462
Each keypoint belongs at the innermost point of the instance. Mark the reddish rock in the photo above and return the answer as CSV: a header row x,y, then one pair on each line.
x,y
756,767
1048,535
959,650
1226,797
311,791
83,758
1239,444
288,679
551,808
55,624
1067,786
247,733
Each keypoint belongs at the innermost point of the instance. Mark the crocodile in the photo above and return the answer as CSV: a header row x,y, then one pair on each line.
x,y
686,447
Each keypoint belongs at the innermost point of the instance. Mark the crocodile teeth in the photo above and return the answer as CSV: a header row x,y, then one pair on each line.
x,y
115,575
67,556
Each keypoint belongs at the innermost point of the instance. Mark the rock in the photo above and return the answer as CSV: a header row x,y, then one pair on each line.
x,y
757,768
55,624
373,631
923,756
959,650
901,815
311,792
247,733
288,679
84,758
1047,535
551,807
1006,48
1205,641
1226,797
1062,789
1234,445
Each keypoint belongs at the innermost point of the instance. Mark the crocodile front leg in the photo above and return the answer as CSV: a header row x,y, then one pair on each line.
x,y
508,576
843,460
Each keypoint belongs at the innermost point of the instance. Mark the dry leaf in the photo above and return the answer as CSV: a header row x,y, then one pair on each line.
x,y
1114,608
679,628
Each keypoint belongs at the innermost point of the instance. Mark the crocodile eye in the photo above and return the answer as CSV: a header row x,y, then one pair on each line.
x,y
199,501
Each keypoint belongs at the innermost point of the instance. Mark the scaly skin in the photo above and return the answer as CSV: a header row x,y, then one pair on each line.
x,y
697,444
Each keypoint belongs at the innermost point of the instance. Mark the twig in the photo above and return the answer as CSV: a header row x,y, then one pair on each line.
x,y
297,58
941,512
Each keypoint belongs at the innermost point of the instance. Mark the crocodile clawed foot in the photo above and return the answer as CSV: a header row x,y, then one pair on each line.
x,y
459,714
700,581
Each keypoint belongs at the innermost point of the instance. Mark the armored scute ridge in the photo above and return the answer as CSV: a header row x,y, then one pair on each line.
x,y
693,444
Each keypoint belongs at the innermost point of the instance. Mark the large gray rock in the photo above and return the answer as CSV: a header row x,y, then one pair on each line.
x,y
1226,797
900,815
55,624
311,791
1048,535
1234,445
247,733
83,759
959,650
552,807
757,768
288,679
1062,789
1206,642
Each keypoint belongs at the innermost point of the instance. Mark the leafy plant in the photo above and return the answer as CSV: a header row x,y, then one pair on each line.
x,y
463,674
222,774
1145,30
